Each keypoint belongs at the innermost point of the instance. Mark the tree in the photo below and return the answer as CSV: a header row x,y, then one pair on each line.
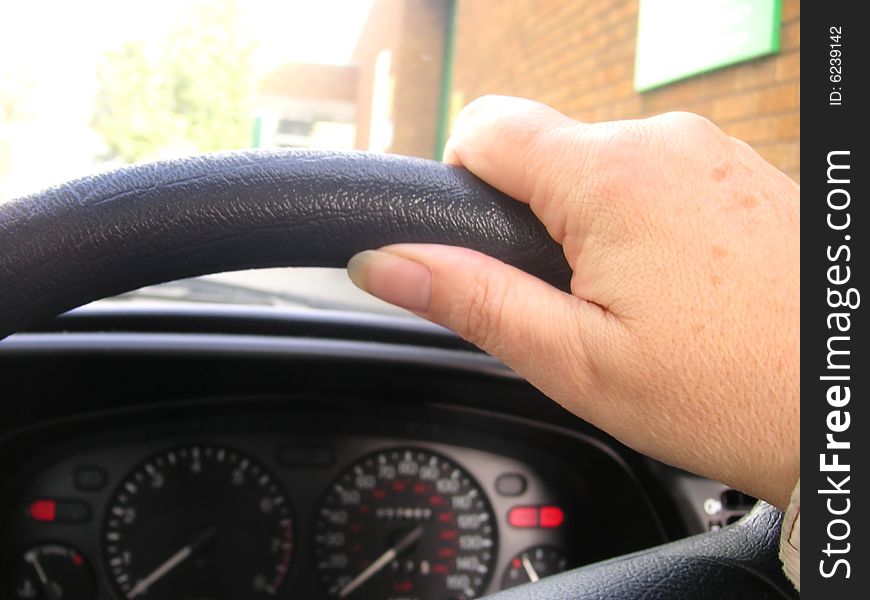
x,y
188,94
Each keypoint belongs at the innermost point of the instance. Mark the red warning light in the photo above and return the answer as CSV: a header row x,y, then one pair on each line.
x,y
43,510
552,516
523,516
547,517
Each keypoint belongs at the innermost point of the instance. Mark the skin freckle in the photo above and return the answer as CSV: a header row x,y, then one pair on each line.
x,y
719,252
719,173
749,201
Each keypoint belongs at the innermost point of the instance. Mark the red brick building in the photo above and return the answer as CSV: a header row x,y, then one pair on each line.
x,y
412,33
576,55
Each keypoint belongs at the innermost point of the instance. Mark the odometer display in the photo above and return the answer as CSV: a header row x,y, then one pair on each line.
x,y
198,522
405,523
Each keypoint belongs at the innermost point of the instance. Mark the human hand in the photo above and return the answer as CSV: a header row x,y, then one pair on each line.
x,y
681,336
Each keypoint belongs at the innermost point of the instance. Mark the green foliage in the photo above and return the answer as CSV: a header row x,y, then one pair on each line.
x,y
189,94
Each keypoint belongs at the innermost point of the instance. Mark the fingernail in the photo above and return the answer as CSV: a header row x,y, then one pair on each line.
x,y
392,278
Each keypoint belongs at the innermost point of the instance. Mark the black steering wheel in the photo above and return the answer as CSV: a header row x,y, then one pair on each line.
x,y
142,225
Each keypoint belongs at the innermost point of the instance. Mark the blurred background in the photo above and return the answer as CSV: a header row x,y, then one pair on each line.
x,y
93,84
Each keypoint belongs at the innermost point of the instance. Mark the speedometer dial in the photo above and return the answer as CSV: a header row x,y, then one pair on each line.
x,y
405,523
200,522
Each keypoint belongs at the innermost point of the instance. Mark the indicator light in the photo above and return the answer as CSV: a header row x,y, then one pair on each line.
x,y
67,511
547,517
552,516
43,510
523,516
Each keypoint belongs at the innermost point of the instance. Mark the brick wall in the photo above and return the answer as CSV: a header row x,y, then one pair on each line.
x,y
380,32
413,31
578,56
418,77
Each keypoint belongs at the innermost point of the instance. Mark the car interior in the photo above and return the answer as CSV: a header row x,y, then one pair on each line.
x,y
227,451
197,404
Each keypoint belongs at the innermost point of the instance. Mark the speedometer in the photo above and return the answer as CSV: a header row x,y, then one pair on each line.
x,y
203,522
405,523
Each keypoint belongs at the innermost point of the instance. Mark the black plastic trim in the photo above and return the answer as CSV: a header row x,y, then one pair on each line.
x,y
168,344
254,320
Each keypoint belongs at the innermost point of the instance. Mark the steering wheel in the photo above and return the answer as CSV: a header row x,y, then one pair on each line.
x,y
143,225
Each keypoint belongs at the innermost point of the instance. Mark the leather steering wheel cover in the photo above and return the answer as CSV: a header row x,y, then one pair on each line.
x,y
137,226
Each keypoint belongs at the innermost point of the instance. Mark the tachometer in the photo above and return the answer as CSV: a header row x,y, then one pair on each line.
x,y
200,522
405,523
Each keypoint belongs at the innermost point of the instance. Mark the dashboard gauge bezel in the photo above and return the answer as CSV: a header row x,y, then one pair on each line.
x,y
414,477
181,465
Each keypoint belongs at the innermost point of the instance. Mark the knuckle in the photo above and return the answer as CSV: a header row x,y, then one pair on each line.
x,y
474,111
477,106
482,311
496,107
741,146
686,123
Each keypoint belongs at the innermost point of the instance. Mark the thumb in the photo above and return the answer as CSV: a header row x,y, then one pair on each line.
x,y
539,331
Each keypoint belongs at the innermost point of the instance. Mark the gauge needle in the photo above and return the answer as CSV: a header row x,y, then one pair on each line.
x,y
170,563
383,560
43,579
530,570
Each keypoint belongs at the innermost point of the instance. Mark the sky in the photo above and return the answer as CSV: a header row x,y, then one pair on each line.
x,y
38,32
52,47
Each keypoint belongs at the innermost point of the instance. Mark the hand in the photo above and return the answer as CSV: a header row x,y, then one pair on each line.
x,y
681,335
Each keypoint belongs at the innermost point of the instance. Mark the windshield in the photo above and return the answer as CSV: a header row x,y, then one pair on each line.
x,y
91,85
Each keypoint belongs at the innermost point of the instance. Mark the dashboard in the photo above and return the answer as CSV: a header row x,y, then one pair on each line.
x,y
293,502
142,461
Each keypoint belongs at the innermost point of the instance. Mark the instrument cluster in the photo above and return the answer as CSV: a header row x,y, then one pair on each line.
x,y
221,514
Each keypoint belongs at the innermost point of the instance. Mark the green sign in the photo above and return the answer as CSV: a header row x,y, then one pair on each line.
x,y
680,38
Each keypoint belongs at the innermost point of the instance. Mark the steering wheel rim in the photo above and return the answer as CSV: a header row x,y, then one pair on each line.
x,y
146,224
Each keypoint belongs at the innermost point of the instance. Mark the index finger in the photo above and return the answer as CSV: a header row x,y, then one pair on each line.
x,y
525,149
